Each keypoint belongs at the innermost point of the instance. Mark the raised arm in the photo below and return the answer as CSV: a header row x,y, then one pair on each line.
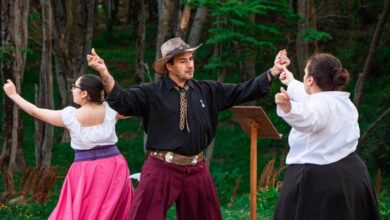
x,y
295,89
229,94
52,117
98,64
281,61
303,116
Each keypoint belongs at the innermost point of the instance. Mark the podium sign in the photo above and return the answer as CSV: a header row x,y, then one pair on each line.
x,y
256,124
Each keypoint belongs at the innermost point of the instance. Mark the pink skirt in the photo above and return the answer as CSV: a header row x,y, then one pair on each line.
x,y
95,189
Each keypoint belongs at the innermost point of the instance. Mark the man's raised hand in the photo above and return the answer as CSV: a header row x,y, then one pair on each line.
x,y
96,62
281,60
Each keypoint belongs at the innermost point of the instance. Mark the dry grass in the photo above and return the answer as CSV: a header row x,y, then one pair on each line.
x,y
270,174
35,183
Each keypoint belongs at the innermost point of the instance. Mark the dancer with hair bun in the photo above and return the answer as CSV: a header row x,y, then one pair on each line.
x,y
325,178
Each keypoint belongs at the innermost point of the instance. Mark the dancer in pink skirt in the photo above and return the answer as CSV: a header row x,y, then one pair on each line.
x,y
97,185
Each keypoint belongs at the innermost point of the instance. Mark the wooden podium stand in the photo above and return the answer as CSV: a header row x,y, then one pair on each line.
x,y
256,124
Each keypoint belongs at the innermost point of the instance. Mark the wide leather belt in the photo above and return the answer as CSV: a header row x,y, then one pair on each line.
x,y
177,159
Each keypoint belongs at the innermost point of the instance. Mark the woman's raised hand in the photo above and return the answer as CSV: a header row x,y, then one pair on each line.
x,y
283,100
282,97
9,88
286,76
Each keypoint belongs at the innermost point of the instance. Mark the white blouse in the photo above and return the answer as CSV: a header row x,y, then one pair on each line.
x,y
324,125
84,138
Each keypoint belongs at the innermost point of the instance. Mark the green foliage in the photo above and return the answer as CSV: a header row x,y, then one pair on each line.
x,y
239,209
237,36
384,204
382,58
25,50
376,148
6,52
312,34
20,212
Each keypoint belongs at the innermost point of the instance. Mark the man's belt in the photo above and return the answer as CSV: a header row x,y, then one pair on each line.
x,y
177,159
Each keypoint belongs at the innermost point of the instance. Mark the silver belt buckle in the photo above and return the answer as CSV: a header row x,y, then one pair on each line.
x,y
194,160
169,157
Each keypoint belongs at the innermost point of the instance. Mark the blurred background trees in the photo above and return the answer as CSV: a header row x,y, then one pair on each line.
x,y
44,44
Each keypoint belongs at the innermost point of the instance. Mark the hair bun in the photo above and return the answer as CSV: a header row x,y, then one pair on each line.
x,y
341,77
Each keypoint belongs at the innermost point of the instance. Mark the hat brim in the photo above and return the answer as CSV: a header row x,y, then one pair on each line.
x,y
159,65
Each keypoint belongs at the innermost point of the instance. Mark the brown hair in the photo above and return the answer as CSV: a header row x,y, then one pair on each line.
x,y
327,71
94,86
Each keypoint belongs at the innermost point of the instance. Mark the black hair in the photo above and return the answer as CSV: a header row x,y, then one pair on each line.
x,y
171,61
94,86
327,71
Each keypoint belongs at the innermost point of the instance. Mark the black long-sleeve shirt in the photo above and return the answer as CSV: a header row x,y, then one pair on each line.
x,y
158,104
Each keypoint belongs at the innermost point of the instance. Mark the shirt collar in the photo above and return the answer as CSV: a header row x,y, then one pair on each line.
x,y
169,84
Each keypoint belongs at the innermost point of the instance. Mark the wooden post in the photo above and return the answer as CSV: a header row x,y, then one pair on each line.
x,y
253,168
250,118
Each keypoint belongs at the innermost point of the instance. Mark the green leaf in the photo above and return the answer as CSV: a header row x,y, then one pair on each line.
x,y
312,34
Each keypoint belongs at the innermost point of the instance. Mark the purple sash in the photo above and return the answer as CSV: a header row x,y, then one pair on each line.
x,y
96,153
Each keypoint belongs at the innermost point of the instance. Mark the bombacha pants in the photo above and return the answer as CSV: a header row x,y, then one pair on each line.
x,y
162,184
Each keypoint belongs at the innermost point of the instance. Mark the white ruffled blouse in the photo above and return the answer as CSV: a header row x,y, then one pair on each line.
x,y
324,125
84,138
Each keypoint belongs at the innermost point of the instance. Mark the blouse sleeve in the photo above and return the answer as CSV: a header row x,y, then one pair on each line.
x,y
68,115
111,113
297,92
308,116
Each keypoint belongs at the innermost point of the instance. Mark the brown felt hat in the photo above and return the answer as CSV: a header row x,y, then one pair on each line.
x,y
170,49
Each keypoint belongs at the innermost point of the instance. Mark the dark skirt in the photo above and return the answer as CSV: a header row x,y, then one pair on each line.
x,y
341,190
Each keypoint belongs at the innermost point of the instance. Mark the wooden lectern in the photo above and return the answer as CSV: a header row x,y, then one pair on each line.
x,y
256,124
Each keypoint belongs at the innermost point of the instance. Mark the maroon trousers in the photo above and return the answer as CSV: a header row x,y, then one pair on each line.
x,y
162,184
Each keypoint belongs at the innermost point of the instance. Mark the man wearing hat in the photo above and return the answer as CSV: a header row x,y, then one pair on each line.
x,y
180,117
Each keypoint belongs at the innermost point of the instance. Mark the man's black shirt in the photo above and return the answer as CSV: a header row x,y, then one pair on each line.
x,y
158,104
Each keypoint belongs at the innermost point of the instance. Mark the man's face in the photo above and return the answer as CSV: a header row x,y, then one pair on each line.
x,y
182,68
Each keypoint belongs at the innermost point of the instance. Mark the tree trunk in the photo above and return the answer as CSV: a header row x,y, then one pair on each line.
x,y
302,46
14,32
250,63
115,11
197,26
313,22
153,9
107,7
184,20
221,78
249,71
132,16
361,82
363,138
140,42
166,22
73,31
44,131
218,48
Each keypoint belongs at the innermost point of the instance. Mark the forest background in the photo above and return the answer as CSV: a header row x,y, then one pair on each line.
x,y
43,49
